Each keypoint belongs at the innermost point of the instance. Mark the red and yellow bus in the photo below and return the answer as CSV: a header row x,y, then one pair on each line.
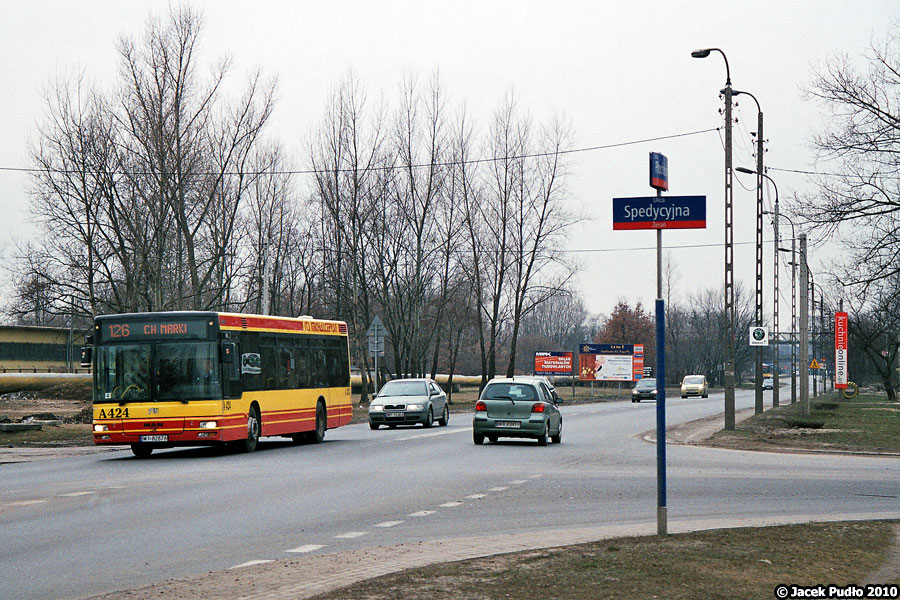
x,y
207,378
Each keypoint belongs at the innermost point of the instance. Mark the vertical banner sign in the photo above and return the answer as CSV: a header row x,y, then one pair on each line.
x,y
637,361
840,350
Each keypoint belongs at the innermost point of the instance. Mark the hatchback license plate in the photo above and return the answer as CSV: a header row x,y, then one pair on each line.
x,y
394,415
510,424
154,438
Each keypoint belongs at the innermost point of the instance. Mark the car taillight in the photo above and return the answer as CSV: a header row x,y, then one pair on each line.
x,y
537,407
479,406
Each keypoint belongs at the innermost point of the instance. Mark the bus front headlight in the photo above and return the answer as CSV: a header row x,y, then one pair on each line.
x,y
208,424
99,428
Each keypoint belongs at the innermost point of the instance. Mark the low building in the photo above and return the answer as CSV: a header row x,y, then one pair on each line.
x,y
32,349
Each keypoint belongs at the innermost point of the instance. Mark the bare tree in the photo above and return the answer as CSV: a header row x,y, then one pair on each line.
x,y
875,331
139,192
348,156
862,139
515,220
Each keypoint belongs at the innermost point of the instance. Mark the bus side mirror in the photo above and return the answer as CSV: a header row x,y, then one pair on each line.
x,y
86,354
227,352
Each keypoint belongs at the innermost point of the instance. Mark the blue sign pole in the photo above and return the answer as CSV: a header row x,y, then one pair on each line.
x,y
661,507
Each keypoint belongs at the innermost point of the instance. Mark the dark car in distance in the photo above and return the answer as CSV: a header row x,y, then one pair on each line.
x,y
644,389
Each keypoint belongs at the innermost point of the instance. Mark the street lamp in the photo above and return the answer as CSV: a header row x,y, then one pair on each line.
x,y
760,173
729,244
759,213
793,263
817,333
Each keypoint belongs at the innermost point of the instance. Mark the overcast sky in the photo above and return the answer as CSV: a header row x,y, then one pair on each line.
x,y
620,72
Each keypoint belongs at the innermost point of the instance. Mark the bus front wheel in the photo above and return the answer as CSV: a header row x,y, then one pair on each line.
x,y
317,436
142,450
253,429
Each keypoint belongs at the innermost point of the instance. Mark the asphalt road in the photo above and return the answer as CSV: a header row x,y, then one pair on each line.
x,y
81,526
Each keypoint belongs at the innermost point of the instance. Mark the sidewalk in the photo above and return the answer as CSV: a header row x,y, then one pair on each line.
x,y
302,578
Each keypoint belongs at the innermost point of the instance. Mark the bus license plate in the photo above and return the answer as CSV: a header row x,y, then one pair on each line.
x,y
154,438
394,415
509,424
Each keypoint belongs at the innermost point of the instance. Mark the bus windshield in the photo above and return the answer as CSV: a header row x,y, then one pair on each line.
x,y
157,371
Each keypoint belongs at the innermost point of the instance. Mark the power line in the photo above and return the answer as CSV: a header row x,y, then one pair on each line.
x,y
395,167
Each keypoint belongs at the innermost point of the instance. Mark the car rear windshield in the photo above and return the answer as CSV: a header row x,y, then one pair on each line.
x,y
511,391
693,380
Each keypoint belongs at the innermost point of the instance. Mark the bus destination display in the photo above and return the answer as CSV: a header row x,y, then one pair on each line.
x,y
121,331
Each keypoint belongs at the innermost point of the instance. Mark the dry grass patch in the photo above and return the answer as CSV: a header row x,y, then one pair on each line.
x,y
725,564
866,424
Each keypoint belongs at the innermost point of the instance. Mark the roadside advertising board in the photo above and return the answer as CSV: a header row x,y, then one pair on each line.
x,y
660,212
552,363
840,350
611,362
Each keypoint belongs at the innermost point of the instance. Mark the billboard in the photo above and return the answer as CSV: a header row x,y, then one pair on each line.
x,y
611,362
840,350
552,363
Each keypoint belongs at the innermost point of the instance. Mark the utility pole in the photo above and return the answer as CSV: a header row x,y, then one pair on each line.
x,y
729,242
813,334
804,328
794,366
822,333
729,265
776,362
759,254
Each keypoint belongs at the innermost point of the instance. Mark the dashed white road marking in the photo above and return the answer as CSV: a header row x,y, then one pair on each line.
x,y
421,513
76,494
389,524
450,504
306,548
251,563
499,489
476,496
350,535
518,482
26,502
433,434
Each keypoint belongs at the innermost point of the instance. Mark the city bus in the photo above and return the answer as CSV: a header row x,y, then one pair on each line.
x,y
170,379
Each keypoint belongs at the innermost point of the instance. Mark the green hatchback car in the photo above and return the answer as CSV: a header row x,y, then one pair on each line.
x,y
517,408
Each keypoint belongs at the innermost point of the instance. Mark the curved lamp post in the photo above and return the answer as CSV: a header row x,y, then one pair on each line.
x,y
729,244
760,173
793,263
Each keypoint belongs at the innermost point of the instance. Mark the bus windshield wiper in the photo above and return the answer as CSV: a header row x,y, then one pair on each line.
x,y
174,393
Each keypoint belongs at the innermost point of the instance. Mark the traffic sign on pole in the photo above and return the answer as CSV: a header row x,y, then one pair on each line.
x,y
376,334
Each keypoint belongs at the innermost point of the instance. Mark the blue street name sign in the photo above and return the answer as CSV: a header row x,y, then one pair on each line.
x,y
660,212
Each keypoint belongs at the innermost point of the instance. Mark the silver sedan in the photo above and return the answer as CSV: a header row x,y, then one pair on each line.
x,y
409,402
